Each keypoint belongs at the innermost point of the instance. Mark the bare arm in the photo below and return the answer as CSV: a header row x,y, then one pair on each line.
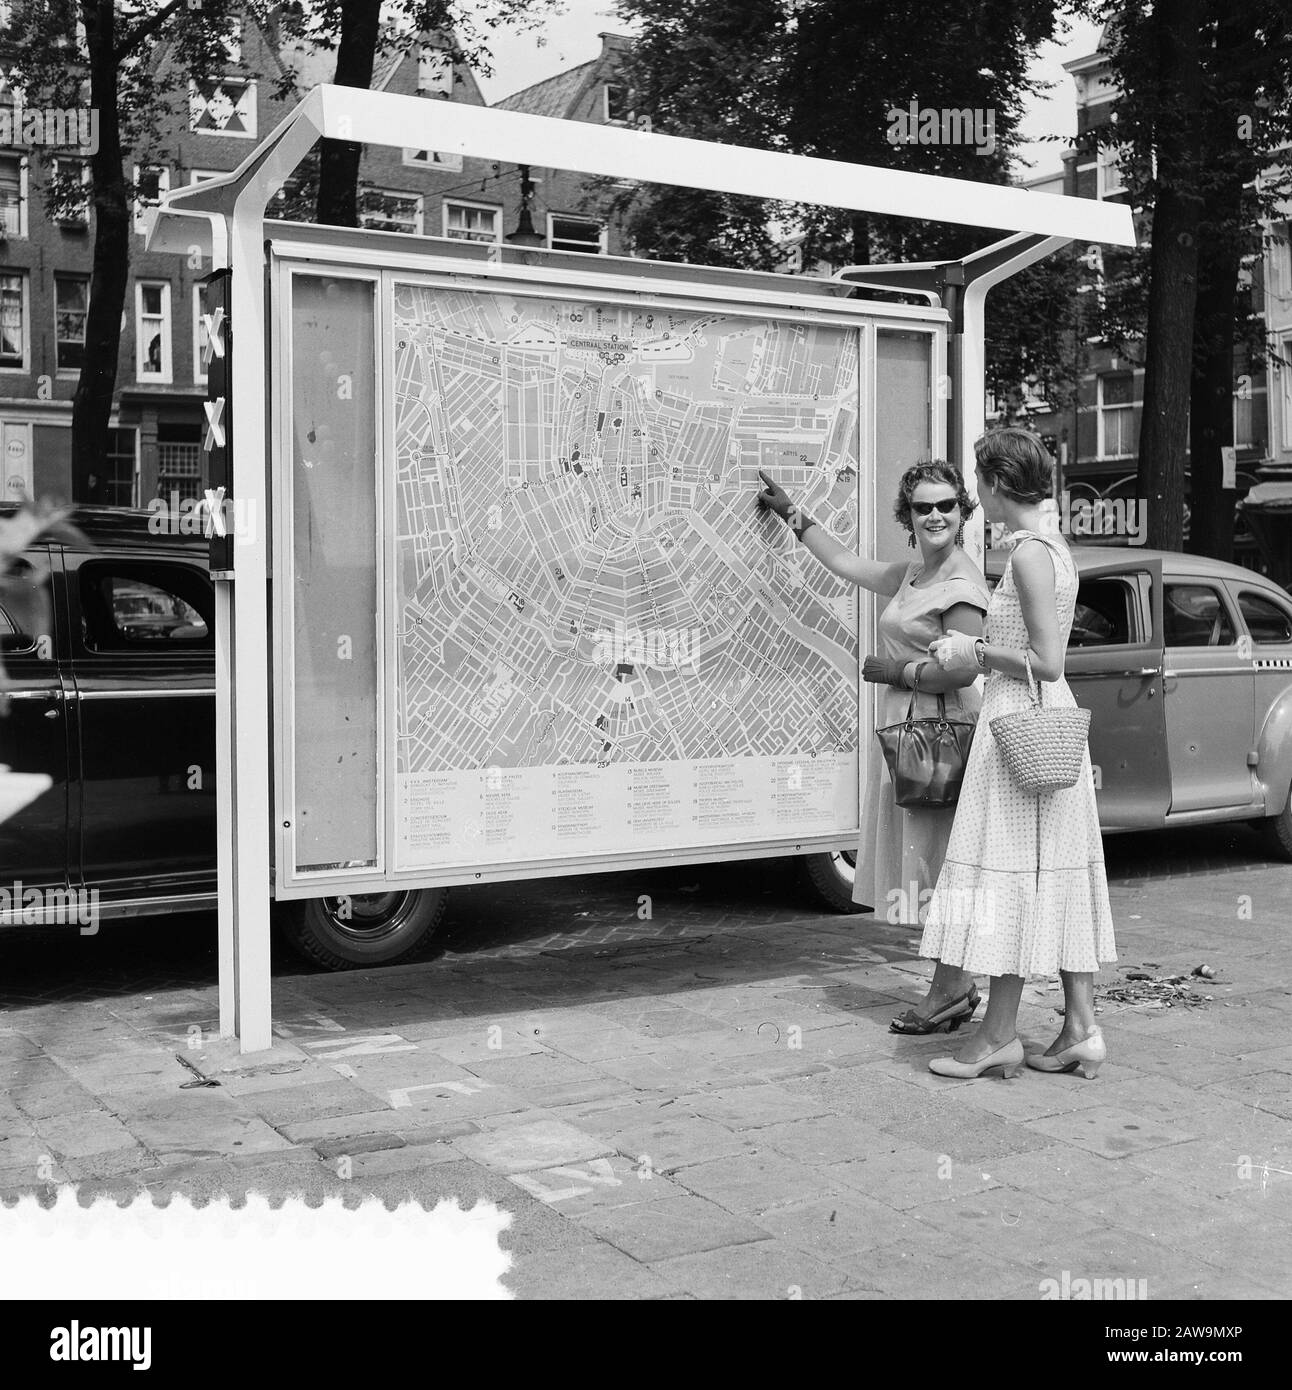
x,y
1034,580
961,617
875,575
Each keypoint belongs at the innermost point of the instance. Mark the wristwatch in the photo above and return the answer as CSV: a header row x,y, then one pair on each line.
x,y
980,652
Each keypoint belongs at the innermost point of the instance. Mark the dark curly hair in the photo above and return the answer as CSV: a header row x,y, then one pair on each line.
x,y
932,471
1016,462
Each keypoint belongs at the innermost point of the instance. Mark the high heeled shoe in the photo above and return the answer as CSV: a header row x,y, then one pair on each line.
x,y
950,1016
1085,1058
1008,1058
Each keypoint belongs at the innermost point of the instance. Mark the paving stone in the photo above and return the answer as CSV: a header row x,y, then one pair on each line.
x,y
80,1135
589,1272
908,1177
824,1139
660,1230
525,1147
597,1183
44,1101
967,1135
482,1045
1219,1166
324,1100
839,1228
770,1269
674,1140
756,1182
1107,1130
1267,1090
200,1126
534,1070
110,1163
672,1071
752,1107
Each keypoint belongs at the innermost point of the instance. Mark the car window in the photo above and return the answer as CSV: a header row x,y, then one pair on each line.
x,y
1265,619
143,606
16,614
1103,614
12,637
1195,616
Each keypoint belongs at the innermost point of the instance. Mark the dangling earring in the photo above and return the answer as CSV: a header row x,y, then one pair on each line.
x,y
960,534
910,540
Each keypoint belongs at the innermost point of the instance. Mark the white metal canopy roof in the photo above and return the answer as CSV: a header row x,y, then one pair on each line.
x,y
385,118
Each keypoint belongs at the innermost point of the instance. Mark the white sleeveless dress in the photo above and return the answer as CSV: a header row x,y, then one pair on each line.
x,y
1023,889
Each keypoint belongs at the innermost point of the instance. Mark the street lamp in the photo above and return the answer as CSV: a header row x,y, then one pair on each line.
x,y
525,235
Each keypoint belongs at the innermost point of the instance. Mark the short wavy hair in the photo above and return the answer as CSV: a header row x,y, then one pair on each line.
x,y
1017,463
931,471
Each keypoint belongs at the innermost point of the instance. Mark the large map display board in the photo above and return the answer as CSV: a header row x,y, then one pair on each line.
x,y
602,644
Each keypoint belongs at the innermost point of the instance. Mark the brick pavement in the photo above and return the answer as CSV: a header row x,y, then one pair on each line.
x,y
707,1103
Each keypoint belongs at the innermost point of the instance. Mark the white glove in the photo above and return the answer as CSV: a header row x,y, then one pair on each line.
x,y
955,649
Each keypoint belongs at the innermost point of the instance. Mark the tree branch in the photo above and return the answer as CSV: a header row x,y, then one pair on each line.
x,y
144,29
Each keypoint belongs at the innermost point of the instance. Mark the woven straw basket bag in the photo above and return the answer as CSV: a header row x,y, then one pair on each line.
x,y
1043,748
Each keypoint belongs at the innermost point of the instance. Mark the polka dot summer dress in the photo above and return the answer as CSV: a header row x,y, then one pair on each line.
x,y
1022,889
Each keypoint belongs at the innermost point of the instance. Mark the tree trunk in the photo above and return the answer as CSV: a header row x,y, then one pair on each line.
x,y
1174,270
1211,513
92,404
338,199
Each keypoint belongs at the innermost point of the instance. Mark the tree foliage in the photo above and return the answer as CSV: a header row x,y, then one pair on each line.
x,y
829,78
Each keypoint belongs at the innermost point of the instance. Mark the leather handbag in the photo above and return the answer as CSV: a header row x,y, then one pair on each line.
x,y
926,757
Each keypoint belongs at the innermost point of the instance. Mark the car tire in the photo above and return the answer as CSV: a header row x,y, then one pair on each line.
x,y
828,878
352,931
1276,832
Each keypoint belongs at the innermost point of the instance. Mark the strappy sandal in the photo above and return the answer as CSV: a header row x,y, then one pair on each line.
x,y
950,1016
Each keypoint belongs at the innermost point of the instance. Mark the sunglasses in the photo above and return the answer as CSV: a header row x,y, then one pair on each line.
x,y
946,507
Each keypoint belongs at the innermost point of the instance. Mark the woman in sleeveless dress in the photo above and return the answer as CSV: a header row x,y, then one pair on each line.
x,y
1022,889
901,848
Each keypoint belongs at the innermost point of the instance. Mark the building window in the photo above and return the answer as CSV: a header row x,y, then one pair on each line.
x,y
13,321
223,106
199,338
1112,181
71,306
1284,370
381,211
435,72
1250,419
13,196
151,181
152,330
472,221
616,103
73,206
202,175
179,460
1118,417
575,234
433,159
122,472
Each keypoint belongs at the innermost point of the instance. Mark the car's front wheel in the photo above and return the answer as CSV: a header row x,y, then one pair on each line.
x,y
353,930
829,878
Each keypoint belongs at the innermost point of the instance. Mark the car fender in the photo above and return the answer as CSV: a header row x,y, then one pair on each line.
x,y
1274,753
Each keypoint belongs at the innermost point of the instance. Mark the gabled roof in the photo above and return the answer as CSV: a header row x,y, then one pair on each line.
x,y
558,96
554,96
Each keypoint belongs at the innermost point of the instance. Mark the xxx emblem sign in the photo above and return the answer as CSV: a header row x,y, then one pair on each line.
x,y
216,438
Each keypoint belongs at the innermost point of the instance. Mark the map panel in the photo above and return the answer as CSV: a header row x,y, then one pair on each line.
x,y
602,643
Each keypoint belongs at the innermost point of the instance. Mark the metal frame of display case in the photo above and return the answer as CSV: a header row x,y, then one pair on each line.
x,y
221,223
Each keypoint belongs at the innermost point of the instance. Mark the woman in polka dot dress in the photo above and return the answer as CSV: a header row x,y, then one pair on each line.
x,y
1022,889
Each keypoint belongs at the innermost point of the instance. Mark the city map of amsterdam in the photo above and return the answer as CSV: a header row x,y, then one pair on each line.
x,y
601,639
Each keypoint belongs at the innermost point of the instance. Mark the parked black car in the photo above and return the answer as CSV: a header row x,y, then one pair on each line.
x,y
117,706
